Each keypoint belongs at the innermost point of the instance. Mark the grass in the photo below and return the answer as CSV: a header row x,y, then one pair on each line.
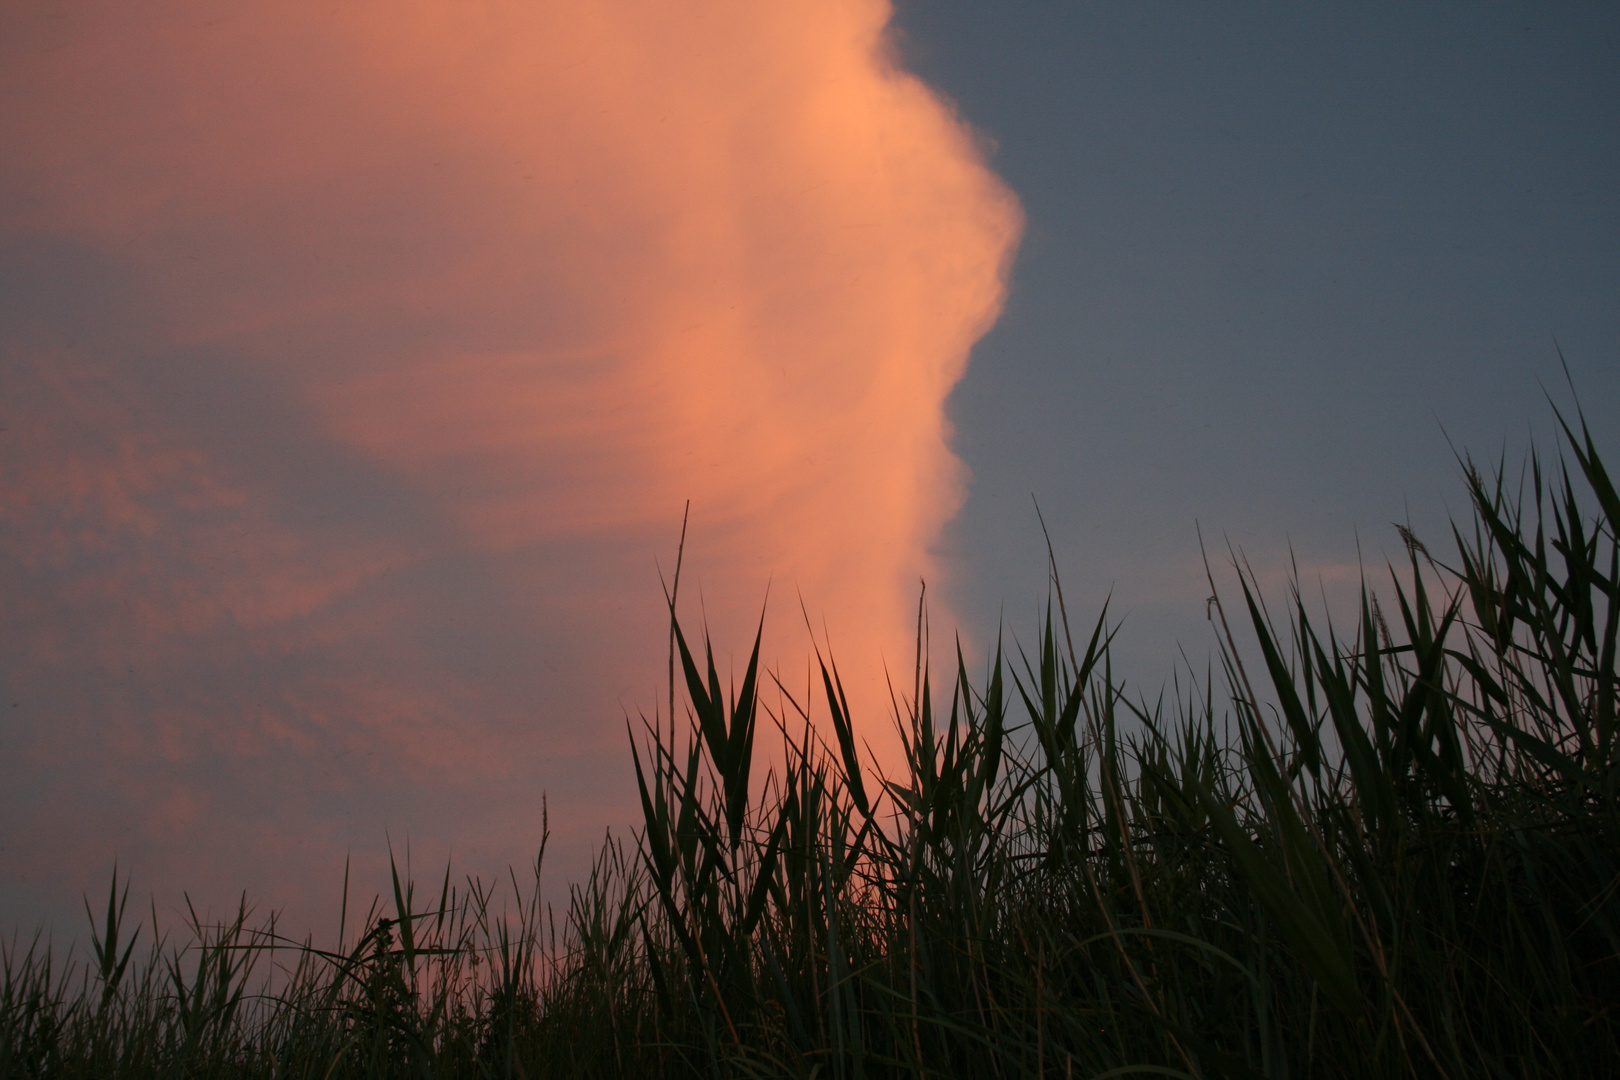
x,y
1391,850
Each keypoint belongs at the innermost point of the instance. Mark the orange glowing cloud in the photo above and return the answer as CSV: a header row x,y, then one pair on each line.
x,y
396,305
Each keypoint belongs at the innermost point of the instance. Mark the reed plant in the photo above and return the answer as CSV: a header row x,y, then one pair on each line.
x,y
1391,849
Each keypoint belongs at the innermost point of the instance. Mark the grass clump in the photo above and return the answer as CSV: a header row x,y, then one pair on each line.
x,y
1391,851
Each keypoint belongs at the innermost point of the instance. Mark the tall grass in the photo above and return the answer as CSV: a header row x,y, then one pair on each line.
x,y
1391,849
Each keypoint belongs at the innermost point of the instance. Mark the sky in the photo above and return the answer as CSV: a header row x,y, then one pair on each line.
x,y
358,364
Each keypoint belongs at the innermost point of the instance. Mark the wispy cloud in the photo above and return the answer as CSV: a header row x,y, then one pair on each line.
x,y
358,364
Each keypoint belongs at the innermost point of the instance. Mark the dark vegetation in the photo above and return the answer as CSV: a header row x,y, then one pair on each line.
x,y
1387,849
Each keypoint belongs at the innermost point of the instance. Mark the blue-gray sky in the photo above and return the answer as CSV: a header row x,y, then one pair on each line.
x,y
1275,255
356,371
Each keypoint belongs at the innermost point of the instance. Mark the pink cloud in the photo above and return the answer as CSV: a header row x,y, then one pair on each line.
x,y
414,326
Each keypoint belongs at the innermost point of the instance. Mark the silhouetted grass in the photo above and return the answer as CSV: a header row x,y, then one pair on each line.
x,y
1388,851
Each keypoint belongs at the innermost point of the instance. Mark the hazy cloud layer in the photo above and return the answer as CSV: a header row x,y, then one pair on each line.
x,y
356,363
